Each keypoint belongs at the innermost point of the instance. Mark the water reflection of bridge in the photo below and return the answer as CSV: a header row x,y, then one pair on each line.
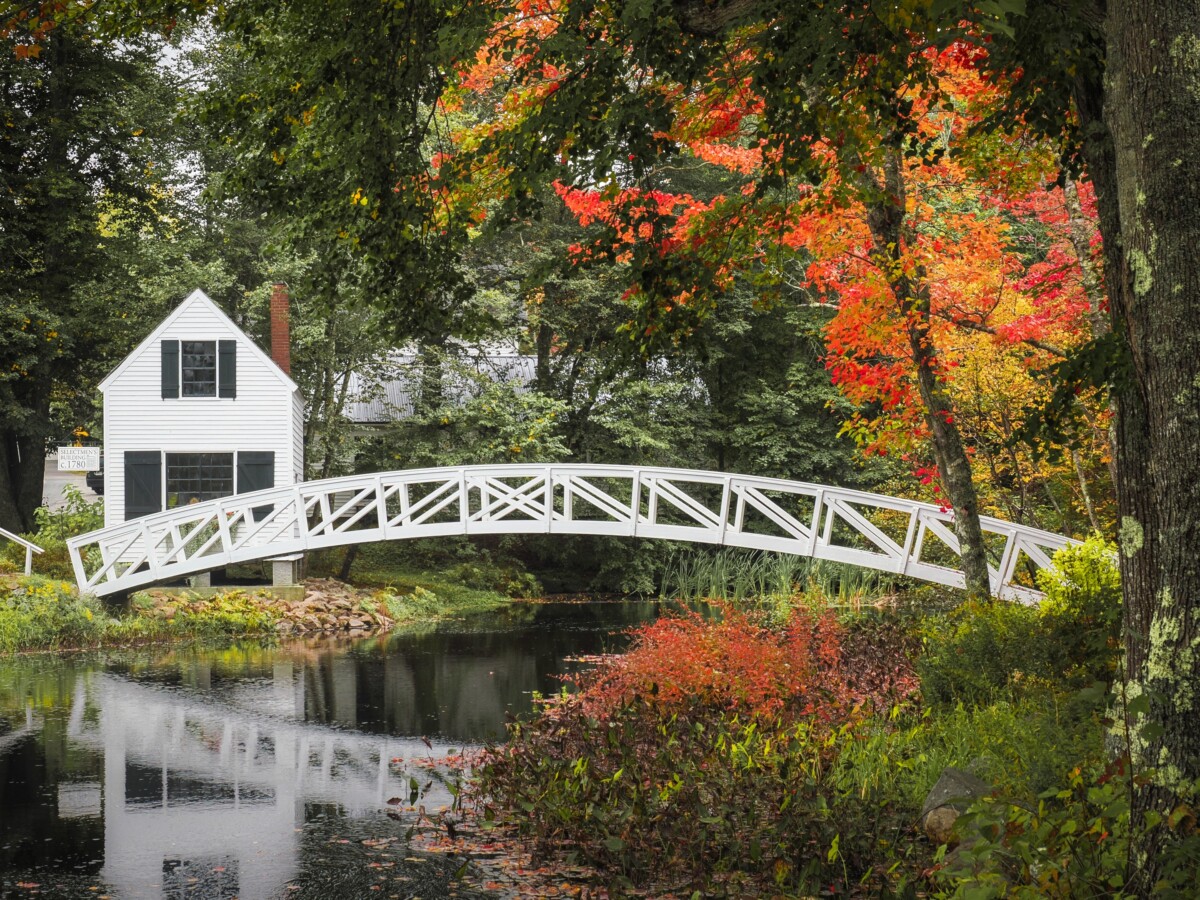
x,y
215,788
147,769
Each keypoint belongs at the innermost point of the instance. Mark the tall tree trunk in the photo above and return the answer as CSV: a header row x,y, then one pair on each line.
x,y
886,218
27,428
948,448
1150,220
544,340
22,473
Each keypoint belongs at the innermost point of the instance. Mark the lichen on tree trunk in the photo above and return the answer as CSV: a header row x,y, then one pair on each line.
x,y
1150,220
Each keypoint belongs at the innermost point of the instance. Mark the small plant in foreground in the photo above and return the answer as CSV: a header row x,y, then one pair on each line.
x,y
1072,843
43,613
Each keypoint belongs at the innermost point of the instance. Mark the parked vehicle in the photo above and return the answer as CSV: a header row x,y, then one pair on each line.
x,y
95,480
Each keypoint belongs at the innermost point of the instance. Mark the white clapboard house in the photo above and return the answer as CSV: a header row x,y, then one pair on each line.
x,y
198,411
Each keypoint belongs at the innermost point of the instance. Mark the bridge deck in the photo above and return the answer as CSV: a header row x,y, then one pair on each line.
x,y
905,537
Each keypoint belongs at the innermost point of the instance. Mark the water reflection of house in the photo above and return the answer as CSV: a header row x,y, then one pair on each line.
x,y
194,774
204,798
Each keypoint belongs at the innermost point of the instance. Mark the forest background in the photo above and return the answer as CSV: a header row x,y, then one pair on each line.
x,y
895,203
138,171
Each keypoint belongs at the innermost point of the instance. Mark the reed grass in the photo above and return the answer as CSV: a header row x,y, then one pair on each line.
x,y
743,576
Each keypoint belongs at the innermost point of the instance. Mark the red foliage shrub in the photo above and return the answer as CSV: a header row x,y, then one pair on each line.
x,y
736,664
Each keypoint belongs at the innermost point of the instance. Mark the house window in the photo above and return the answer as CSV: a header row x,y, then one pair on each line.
x,y
199,368
195,477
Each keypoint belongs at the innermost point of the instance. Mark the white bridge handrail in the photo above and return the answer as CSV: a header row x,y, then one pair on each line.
x,y
30,548
890,534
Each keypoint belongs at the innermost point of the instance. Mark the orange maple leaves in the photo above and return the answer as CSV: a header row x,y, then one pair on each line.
x,y
985,235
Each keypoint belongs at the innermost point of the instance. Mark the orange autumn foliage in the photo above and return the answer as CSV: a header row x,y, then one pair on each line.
x,y
739,665
985,232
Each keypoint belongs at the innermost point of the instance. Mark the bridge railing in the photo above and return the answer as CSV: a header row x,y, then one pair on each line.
x,y
30,548
890,534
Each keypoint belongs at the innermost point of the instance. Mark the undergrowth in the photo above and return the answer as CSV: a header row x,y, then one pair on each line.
x,y
38,613
54,527
765,754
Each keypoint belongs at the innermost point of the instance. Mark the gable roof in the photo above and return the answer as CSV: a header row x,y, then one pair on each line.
x,y
197,297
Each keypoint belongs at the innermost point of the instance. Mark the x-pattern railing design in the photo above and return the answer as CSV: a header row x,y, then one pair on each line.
x,y
890,534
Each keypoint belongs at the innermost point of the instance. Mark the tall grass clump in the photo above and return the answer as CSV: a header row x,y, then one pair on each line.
x,y
743,576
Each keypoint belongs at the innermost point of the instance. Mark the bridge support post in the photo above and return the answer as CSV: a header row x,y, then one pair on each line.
x,y
285,570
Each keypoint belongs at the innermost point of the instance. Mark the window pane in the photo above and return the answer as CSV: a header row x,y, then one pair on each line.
x,y
195,477
198,361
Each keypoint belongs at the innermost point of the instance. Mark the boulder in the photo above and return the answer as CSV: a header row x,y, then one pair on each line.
x,y
939,824
949,798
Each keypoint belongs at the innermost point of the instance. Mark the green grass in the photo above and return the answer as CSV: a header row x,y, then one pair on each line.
x,y
45,614
423,589
754,575
39,613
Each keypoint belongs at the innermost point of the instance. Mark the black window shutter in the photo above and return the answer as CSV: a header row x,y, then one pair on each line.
x,y
227,369
143,482
256,472
170,370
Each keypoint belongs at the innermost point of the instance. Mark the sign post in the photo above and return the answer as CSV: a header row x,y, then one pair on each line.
x,y
78,459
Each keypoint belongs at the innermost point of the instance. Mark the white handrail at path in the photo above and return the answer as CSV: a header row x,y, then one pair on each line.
x,y
30,549
905,537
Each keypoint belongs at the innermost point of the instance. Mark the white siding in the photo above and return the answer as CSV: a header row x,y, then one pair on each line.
x,y
136,417
298,436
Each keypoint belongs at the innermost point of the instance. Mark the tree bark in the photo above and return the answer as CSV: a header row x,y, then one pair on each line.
x,y
886,218
1150,220
26,430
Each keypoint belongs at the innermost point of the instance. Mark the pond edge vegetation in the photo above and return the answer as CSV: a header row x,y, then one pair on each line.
x,y
764,754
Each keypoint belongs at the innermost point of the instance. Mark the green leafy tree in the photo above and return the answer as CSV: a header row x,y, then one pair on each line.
x,y
85,119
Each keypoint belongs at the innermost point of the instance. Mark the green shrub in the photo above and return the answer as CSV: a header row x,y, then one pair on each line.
x,y
1072,843
983,651
420,603
54,527
43,613
976,652
230,613
686,801
1081,615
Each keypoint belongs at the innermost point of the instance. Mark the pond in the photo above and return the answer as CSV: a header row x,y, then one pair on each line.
x,y
258,770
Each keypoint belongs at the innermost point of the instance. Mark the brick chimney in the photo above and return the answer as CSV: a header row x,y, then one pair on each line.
x,y
281,343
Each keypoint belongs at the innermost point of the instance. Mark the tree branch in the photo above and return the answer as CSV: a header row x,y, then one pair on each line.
x,y
988,329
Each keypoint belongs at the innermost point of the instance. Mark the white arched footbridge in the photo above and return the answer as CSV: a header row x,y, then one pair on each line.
x,y
904,537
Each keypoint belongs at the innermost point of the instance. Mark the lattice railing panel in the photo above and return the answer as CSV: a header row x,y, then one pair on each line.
x,y
887,533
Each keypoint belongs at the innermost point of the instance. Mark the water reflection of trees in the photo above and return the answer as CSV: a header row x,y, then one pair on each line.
x,y
148,767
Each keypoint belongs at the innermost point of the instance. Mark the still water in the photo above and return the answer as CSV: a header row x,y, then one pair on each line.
x,y
258,770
